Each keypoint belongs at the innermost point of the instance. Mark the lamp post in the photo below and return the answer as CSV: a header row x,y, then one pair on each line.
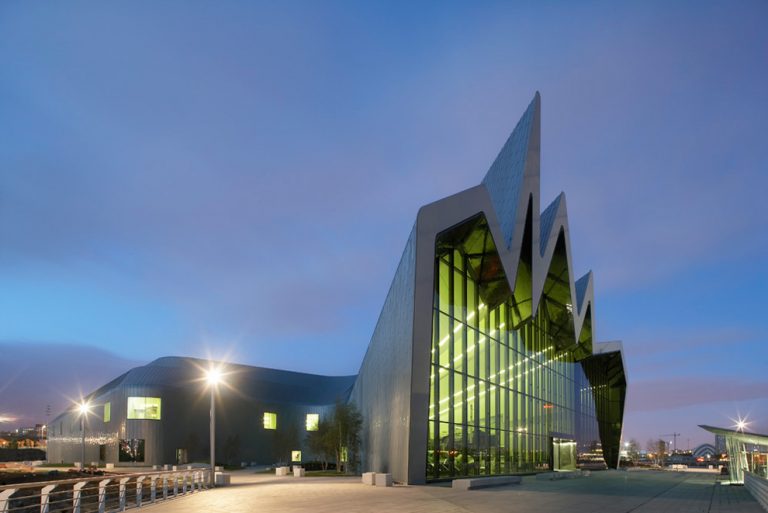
x,y
84,407
213,377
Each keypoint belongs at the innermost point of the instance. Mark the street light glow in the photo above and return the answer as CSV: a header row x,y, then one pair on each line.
x,y
84,407
213,376
741,423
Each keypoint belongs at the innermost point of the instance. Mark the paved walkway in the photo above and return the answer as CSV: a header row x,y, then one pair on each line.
x,y
603,492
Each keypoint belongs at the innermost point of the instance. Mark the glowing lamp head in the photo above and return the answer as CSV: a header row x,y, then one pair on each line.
x,y
84,407
213,376
740,425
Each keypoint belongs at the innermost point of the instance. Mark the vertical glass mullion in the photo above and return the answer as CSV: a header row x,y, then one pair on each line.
x,y
452,327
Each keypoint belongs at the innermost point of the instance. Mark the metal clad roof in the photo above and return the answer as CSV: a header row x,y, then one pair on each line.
x,y
256,383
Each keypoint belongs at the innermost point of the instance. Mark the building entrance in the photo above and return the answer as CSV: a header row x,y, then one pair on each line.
x,y
563,452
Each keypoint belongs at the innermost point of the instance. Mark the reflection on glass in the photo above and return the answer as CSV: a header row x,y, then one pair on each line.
x,y
131,451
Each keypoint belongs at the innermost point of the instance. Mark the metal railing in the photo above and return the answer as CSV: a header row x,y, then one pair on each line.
x,y
101,494
758,487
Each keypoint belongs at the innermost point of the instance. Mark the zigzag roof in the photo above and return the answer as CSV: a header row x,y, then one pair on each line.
x,y
512,184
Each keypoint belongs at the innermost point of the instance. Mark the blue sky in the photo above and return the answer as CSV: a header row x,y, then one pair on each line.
x,y
239,178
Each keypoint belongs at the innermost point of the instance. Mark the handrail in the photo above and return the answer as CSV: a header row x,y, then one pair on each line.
x,y
102,493
114,475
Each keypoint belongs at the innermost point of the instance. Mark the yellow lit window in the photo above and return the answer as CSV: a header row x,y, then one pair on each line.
x,y
313,421
107,412
270,420
144,408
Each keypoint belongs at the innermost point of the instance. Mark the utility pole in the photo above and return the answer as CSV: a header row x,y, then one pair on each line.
x,y
674,438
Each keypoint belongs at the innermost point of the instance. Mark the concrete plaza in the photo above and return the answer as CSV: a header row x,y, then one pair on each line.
x,y
604,492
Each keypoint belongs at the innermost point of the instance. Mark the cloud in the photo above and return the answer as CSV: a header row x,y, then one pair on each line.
x,y
35,375
672,393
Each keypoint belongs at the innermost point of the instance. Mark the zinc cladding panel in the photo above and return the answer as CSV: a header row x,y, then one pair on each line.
x,y
581,289
382,391
505,177
148,430
547,220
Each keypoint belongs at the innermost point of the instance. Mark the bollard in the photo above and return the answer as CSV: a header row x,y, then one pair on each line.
x,y
103,495
123,482
45,498
139,483
77,495
152,488
5,499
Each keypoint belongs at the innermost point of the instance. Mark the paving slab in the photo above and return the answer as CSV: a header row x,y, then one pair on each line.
x,y
602,492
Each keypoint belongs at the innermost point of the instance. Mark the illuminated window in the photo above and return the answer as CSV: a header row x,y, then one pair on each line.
x,y
107,412
313,421
270,420
144,408
296,456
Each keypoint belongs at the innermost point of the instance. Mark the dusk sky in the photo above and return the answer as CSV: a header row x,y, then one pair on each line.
x,y
239,179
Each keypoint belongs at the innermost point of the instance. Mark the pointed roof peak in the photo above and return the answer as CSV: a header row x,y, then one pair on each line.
x,y
518,156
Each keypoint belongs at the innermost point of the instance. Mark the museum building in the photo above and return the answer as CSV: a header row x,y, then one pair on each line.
x,y
482,361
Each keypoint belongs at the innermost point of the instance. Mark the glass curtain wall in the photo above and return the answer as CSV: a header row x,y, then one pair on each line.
x,y
502,382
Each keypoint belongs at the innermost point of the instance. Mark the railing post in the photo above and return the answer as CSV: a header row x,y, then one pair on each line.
x,y
175,484
139,482
197,480
152,488
5,499
45,498
77,495
184,477
103,495
123,482
165,486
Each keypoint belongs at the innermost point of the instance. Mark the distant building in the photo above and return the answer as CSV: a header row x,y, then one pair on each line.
x,y
720,444
706,451
483,360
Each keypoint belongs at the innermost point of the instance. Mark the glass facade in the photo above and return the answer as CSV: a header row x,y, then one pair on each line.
x,y
144,408
504,384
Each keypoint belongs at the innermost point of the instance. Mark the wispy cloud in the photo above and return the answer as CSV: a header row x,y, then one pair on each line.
x,y
38,374
671,393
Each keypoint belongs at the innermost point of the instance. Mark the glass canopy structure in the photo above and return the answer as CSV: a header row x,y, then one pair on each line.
x,y
747,452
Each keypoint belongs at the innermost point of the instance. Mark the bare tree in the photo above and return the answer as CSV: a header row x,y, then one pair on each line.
x,y
633,451
338,436
658,448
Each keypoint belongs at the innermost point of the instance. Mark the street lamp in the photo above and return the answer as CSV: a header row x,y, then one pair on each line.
x,y
84,407
213,378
